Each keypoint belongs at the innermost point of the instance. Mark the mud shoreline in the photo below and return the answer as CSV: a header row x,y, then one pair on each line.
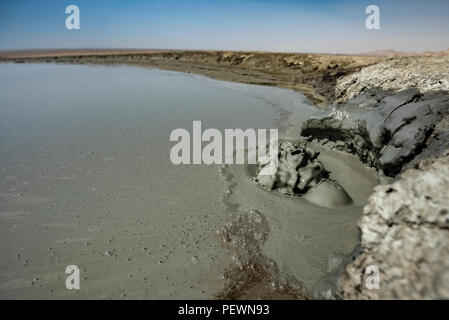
x,y
313,74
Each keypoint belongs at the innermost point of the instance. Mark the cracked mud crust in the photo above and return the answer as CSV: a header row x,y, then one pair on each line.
x,y
405,232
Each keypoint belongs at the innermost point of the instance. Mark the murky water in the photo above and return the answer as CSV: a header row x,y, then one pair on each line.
x,y
86,179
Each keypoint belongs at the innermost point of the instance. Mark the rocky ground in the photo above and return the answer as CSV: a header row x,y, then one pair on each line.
x,y
426,73
405,233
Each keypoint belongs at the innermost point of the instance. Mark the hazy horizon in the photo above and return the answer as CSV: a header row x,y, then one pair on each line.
x,y
282,26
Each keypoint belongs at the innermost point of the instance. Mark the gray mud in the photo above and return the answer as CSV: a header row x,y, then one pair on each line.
x,y
296,239
385,130
86,180
296,170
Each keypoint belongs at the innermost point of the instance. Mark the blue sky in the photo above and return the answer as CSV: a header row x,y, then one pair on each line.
x,y
283,25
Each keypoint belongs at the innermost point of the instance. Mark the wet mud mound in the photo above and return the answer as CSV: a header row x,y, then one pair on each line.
x,y
284,242
296,170
385,131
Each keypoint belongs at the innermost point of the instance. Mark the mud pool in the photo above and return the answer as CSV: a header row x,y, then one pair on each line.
x,y
86,180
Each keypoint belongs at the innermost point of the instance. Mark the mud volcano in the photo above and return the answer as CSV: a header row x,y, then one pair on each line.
x,y
300,221
299,172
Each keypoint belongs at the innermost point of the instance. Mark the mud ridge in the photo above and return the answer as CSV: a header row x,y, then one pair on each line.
x,y
385,130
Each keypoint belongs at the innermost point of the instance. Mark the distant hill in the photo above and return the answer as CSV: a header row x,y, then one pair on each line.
x,y
394,53
436,54
387,53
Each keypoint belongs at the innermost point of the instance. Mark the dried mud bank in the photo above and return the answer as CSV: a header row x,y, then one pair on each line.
x,y
426,74
313,74
405,232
